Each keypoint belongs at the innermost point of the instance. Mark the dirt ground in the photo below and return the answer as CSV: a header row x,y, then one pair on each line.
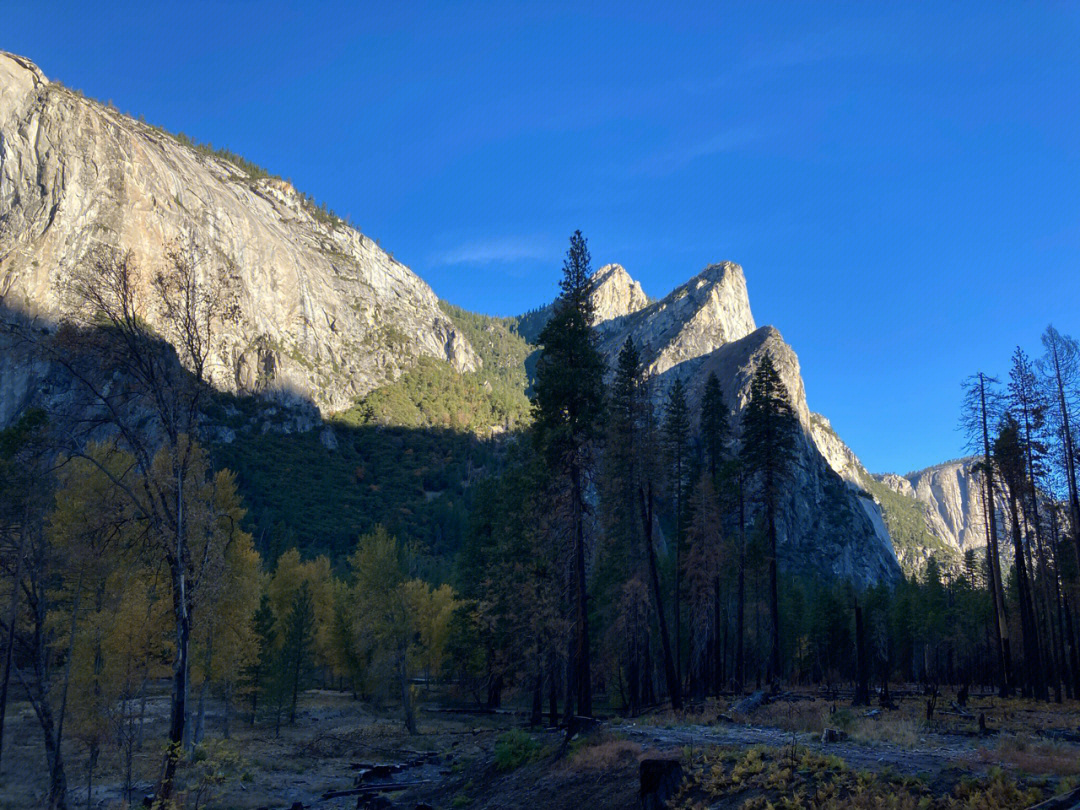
x,y
452,762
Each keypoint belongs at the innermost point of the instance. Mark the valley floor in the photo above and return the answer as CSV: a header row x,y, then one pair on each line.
x,y
773,755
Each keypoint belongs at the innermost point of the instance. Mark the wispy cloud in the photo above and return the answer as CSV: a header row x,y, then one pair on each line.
x,y
672,160
503,250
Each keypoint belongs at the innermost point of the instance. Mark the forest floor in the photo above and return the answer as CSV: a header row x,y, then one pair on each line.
x,y
481,761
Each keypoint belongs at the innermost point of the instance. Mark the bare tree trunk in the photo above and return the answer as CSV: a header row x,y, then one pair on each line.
x,y
862,664
740,607
1027,619
774,590
178,702
718,649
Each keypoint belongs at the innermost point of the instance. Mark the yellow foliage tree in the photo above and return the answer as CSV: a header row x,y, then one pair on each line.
x,y
400,624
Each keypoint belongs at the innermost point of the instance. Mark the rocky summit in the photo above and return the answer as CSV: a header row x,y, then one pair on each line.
x,y
325,314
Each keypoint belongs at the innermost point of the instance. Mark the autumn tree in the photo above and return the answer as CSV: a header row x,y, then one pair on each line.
x,y
403,621
155,411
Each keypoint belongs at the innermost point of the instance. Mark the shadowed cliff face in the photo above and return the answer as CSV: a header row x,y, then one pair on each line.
x,y
323,312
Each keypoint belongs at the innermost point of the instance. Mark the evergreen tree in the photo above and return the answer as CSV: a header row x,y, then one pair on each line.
x,y
568,409
261,668
768,447
676,447
703,562
1010,463
298,637
1029,406
621,583
980,404
714,425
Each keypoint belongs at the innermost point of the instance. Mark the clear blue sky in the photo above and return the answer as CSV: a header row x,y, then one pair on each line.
x,y
901,181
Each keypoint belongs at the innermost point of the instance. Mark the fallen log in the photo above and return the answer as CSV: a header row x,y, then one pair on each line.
x,y
386,787
752,703
470,710
1064,801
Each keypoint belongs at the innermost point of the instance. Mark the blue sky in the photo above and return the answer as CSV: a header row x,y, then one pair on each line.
x,y
900,181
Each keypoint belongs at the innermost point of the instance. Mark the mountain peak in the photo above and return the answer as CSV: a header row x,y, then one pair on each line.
x,y
18,77
615,294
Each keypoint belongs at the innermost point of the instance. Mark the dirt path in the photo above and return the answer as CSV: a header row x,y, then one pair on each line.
x,y
935,755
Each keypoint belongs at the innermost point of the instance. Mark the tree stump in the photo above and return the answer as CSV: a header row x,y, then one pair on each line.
x,y
832,735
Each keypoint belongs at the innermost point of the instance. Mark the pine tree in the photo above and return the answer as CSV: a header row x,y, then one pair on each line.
x,y
1029,406
297,648
714,425
703,562
676,447
768,447
980,405
266,635
1010,463
568,409
620,584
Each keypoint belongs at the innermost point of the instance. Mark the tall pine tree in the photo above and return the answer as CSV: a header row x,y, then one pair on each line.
x,y
677,447
769,428
568,407
714,425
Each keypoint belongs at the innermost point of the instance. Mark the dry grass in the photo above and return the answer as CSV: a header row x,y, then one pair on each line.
x,y
1032,756
799,716
761,778
604,755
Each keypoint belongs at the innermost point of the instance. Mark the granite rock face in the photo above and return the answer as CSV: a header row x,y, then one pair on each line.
x,y
615,294
325,315
953,493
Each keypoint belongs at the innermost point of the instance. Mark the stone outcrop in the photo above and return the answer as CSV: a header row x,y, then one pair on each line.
x,y
615,294
324,314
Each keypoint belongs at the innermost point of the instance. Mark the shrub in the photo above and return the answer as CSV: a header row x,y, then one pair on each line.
x,y
516,748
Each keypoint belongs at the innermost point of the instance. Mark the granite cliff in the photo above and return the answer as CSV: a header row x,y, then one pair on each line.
x,y
325,314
